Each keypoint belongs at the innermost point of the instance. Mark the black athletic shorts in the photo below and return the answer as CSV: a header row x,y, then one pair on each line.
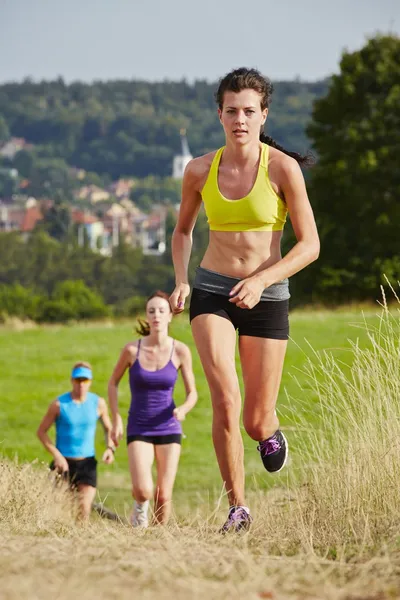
x,y
157,440
81,471
268,319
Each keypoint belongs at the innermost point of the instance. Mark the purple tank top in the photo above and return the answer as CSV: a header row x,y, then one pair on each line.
x,y
152,403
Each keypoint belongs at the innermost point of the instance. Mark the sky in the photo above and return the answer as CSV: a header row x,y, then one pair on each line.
x,y
154,40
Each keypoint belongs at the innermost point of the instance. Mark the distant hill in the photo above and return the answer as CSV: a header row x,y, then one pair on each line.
x,y
119,128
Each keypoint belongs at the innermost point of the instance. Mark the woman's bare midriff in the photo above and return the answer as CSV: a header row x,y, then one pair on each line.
x,y
240,253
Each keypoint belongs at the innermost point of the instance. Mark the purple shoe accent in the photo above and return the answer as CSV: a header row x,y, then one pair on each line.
x,y
269,446
238,520
274,452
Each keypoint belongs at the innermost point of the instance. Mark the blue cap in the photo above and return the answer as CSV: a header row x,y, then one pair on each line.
x,y
81,372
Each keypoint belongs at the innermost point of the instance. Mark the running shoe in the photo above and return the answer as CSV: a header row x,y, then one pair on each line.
x,y
139,516
274,452
239,520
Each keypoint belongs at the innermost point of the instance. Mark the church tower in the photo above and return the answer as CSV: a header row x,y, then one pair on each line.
x,y
181,160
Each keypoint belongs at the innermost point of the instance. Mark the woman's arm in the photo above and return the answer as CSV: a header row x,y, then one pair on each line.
x,y
49,418
125,360
182,236
247,293
108,455
186,368
306,250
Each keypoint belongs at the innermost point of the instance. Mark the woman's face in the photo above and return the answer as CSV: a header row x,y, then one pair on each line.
x,y
241,116
158,314
80,386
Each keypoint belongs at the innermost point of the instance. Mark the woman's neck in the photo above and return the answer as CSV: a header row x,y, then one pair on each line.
x,y
76,397
157,338
242,155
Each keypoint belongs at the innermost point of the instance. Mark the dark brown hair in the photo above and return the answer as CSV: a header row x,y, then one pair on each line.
x,y
144,328
251,79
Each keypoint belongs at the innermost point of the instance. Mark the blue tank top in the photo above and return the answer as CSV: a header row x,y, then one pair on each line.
x,y
152,404
76,426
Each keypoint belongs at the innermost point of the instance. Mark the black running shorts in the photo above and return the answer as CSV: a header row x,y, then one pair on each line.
x,y
157,440
268,319
82,471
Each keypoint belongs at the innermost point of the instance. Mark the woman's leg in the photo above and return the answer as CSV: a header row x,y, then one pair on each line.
x,y
215,339
86,494
167,459
141,457
262,363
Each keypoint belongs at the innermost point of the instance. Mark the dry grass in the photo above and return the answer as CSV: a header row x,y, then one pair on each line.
x,y
331,533
45,554
350,467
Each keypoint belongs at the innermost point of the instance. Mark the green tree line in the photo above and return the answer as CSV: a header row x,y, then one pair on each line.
x,y
51,281
122,128
354,187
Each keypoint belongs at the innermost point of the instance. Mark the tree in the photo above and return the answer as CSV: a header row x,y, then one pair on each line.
x,y
131,128
57,219
16,300
24,163
49,177
4,131
170,222
83,302
355,187
8,183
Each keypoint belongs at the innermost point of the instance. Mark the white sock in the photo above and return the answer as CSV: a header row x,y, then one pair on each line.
x,y
236,506
142,506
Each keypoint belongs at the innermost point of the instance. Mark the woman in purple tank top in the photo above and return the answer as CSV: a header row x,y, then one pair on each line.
x,y
154,423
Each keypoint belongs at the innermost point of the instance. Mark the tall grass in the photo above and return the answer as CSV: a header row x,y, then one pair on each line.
x,y
328,530
344,496
30,502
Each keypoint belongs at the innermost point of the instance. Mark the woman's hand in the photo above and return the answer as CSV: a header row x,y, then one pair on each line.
x,y
60,464
117,430
178,297
247,293
179,413
108,456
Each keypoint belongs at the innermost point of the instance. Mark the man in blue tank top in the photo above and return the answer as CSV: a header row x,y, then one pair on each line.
x,y
75,416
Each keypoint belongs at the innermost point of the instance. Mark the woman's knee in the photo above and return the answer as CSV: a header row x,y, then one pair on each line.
x,y
261,427
162,496
141,493
226,409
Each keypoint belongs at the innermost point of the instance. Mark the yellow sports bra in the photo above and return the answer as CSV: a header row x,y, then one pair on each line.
x,y
260,210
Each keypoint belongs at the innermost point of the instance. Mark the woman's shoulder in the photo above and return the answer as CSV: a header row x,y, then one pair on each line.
x,y
282,160
282,166
131,348
181,348
201,162
198,168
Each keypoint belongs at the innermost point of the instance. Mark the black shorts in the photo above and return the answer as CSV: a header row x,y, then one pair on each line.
x,y
81,471
157,440
268,319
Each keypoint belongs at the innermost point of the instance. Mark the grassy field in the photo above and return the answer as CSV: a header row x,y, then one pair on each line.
x,y
327,528
45,555
35,369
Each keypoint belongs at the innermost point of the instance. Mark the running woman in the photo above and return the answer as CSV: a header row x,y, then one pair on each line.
x,y
154,424
247,188
75,415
